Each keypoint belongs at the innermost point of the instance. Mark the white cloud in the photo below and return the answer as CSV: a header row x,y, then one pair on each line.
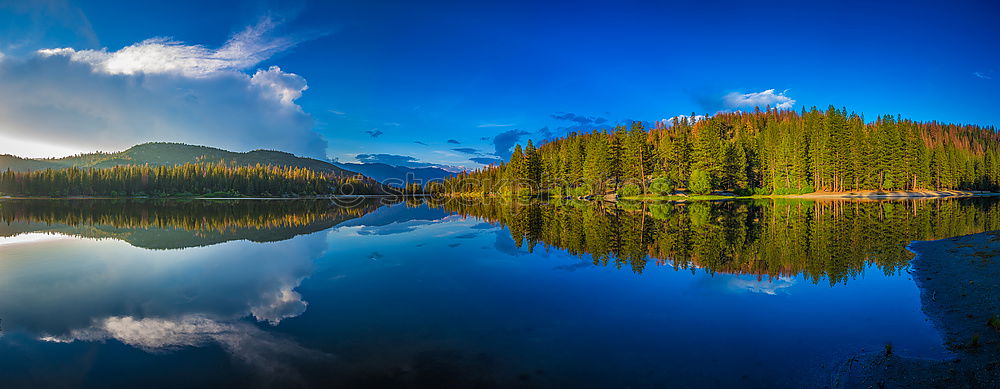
x,y
29,238
248,344
287,87
158,90
284,304
693,119
492,125
764,286
57,51
163,55
759,99
983,75
149,334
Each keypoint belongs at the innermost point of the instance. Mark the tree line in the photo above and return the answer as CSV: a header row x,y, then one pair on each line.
x,y
760,152
186,179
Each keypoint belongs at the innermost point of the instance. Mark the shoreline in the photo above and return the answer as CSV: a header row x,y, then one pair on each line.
x,y
894,194
959,281
852,195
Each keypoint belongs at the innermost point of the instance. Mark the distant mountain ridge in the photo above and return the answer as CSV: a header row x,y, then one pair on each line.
x,y
19,164
397,174
169,154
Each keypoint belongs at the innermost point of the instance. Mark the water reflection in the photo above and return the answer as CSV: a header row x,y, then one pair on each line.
x,y
59,288
408,295
173,224
72,289
823,240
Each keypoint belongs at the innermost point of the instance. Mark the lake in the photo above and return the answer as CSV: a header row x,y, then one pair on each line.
x,y
460,294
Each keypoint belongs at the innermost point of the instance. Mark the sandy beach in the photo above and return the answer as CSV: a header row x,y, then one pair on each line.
x,y
959,279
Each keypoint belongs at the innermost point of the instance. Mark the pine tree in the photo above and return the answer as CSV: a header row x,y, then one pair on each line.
x,y
597,167
516,170
532,167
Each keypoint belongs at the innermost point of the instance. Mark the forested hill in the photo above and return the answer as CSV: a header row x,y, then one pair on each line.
x,y
762,152
19,164
168,169
170,154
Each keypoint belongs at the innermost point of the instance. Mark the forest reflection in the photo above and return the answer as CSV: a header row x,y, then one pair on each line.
x,y
824,240
832,240
167,224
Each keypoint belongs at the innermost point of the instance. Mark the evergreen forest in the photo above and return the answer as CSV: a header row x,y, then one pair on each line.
x,y
761,152
218,179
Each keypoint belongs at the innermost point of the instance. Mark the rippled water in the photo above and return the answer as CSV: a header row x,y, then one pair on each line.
x,y
98,293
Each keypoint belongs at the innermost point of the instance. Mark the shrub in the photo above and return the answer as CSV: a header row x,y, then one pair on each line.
x,y
793,191
700,213
581,191
629,190
761,191
700,182
661,211
662,186
994,322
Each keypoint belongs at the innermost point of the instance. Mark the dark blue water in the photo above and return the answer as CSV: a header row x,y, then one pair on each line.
x,y
415,296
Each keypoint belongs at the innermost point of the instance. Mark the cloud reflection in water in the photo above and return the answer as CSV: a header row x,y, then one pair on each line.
x,y
161,301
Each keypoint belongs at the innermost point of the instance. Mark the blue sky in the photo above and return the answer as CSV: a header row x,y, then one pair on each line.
x,y
467,79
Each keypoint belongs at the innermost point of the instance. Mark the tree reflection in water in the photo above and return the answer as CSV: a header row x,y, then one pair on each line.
x,y
831,240
172,224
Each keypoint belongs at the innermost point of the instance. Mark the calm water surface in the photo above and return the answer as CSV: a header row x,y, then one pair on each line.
x,y
772,293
